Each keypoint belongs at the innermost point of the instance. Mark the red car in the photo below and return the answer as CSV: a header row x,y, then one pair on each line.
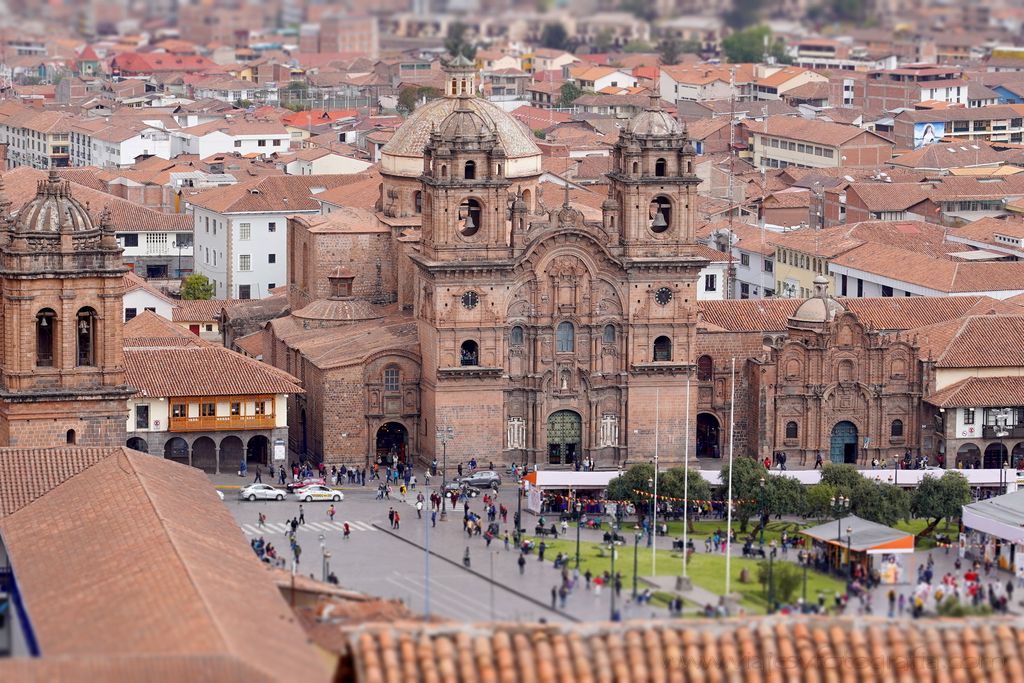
x,y
293,486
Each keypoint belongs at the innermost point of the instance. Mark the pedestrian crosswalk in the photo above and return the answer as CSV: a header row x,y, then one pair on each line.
x,y
317,527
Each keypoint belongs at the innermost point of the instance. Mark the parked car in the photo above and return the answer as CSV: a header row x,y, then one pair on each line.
x,y
317,492
293,486
482,480
260,492
456,486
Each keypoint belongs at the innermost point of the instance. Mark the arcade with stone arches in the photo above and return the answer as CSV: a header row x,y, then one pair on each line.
x,y
212,452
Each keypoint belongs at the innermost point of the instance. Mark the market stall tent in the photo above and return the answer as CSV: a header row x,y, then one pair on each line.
x,y
1002,516
864,537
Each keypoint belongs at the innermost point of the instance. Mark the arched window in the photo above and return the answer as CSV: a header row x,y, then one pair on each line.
x,y
392,379
705,368
470,170
662,349
516,338
636,167
565,337
46,319
896,429
444,170
417,199
609,334
85,328
470,354
661,214
689,167
499,171
71,437
792,430
470,213
660,168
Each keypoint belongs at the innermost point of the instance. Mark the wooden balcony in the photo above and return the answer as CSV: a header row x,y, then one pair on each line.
x,y
221,423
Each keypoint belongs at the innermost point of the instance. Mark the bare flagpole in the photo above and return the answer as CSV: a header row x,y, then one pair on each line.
x,y
654,514
686,473
728,513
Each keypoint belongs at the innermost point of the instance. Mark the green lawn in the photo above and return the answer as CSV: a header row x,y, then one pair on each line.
x,y
706,571
706,528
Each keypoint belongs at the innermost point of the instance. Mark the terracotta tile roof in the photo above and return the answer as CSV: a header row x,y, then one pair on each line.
x,y
952,155
965,187
148,329
267,194
985,341
807,130
746,237
200,310
126,669
134,555
133,281
360,190
35,472
202,371
20,188
985,229
980,392
351,343
794,198
889,196
752,650
252,344
882,313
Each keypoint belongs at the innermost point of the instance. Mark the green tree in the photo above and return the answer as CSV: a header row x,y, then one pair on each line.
x,y
554,37
603,41
568,93
296,106
196,286
751,44
637,46
784,495
786,577
939,498
817,501
671,483
746,489
456,42
841,477
410,96
670,51
881,503
633,480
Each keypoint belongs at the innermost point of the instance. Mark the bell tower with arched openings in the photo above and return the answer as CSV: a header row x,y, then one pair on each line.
x,y
62,377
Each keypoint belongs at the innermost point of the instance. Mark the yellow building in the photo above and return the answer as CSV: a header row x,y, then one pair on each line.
x,y
804,254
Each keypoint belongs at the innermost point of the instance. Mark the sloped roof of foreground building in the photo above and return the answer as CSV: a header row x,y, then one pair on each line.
x,y
131,568
783,648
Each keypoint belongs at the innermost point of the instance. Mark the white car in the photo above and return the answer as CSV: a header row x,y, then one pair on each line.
x,y
318,492
260,492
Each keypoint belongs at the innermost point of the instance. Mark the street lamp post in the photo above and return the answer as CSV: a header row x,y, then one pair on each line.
x,y
445,434
611,582
805,558
771,580
849,550
323,559
839,505
520,489
636,543
650,514
579,509
761,495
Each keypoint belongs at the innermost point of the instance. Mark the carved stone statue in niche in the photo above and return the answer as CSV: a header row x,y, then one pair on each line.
x,y
564,384
566,273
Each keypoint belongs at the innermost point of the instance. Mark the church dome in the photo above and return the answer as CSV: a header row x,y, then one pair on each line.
x,y
403,153
464,124
819,309
53,209
330,312
654,121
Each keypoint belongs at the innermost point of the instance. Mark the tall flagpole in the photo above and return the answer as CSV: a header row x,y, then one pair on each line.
x,y
654,514
686,473
728,522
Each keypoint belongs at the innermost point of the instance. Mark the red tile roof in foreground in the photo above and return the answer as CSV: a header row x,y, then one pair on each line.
x,y
980,392
130,555
200,310
749,650
202,371
986,341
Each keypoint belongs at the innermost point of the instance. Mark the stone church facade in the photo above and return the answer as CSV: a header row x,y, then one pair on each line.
x,y
534,334
62,376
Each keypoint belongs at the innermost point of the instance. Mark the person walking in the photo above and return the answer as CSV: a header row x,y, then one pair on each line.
x,y
398,519
506,540
330,512
302,515
259,478
554,597
261,520
522,564
346,531
433,518
817,460
391,517
419,509
540,551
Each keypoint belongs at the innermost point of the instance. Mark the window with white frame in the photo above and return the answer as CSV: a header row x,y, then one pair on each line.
x,y
244,231
516,432
244,262
156,242
609,435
